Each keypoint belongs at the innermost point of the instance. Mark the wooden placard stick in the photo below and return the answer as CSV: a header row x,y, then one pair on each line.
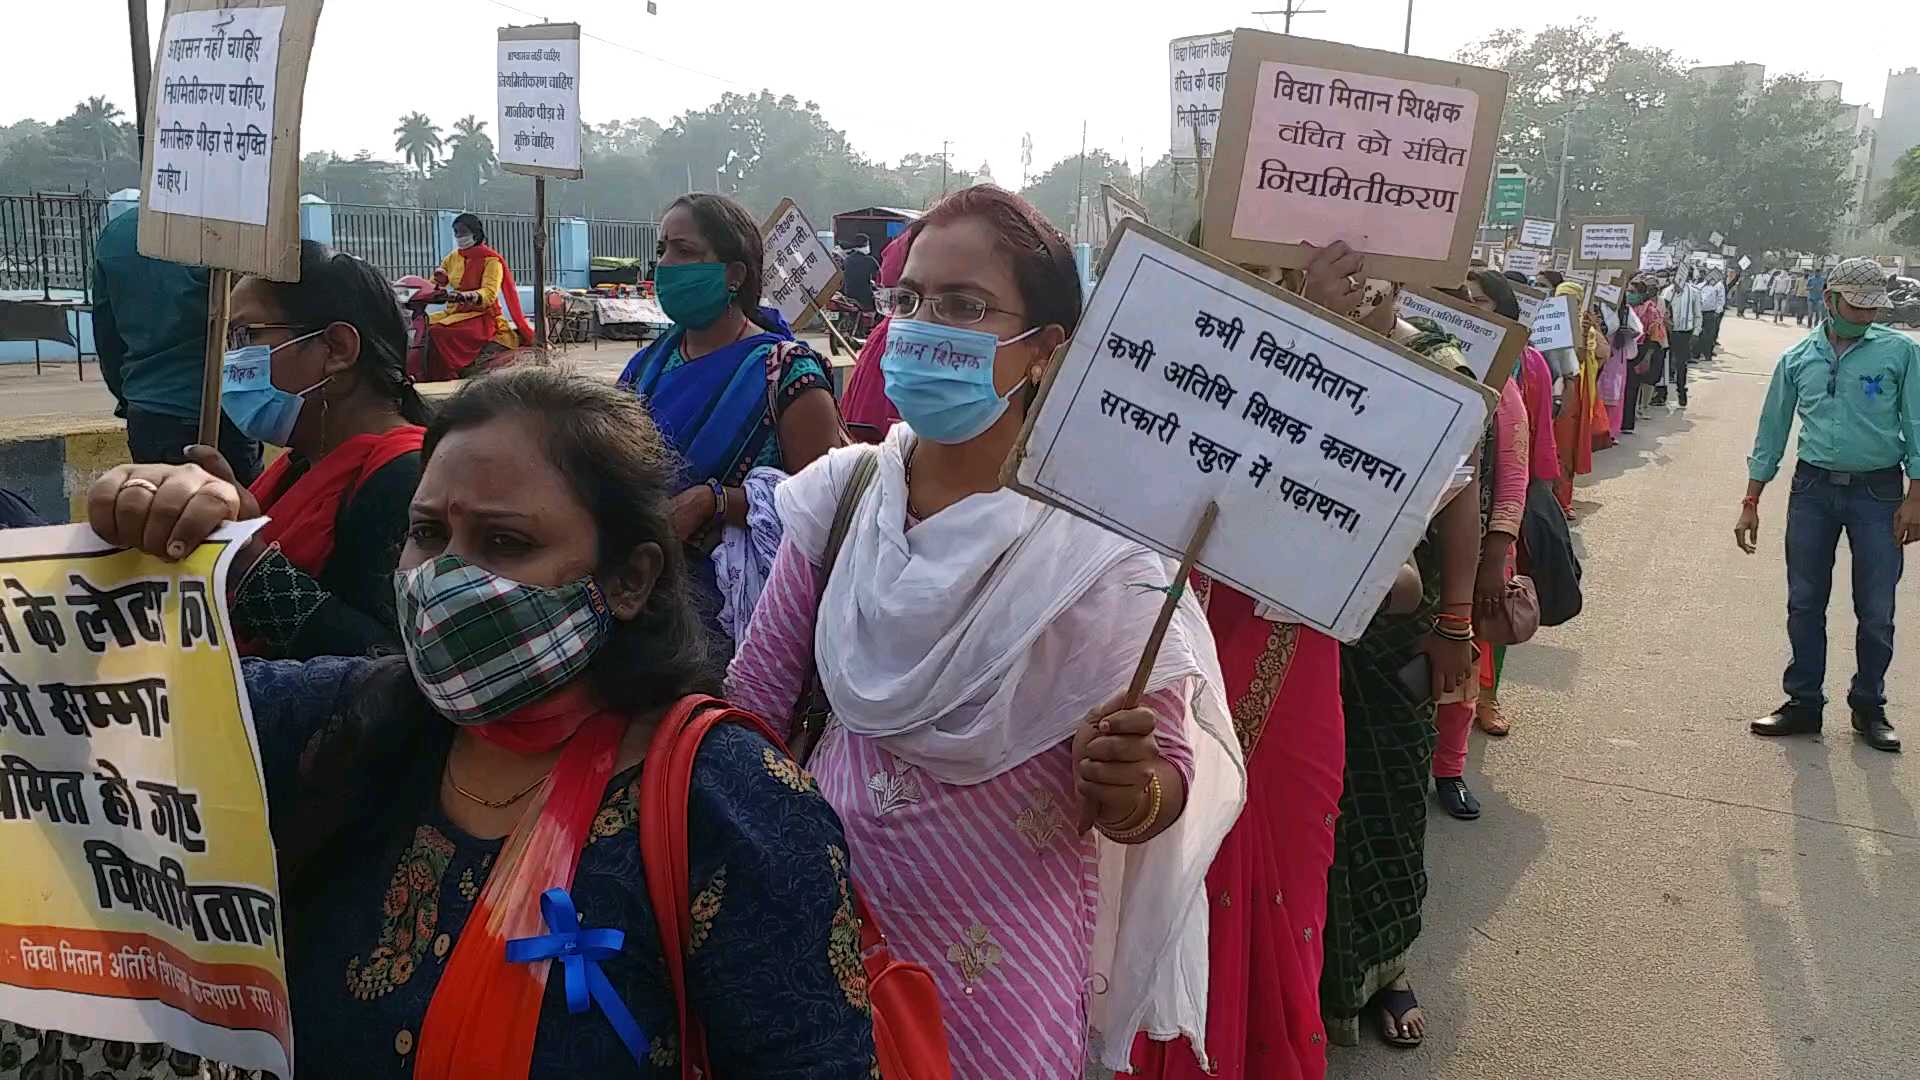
x,y
824,316
219,300
1144,670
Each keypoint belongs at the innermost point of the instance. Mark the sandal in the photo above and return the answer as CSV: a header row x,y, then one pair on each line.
x,y
1487,718
1396,1004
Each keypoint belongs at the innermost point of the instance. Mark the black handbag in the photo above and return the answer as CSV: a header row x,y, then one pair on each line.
x,y
1546,555
815,712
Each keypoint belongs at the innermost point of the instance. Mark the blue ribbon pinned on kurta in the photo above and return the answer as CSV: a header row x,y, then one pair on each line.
x,y
580,952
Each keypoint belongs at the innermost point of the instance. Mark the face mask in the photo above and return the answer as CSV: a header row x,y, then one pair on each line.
x,y
693,295
462,241
481,645
1843,328
1636,298
941,378
261,410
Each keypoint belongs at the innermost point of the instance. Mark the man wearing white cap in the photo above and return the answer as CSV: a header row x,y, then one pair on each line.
x,y
1856,388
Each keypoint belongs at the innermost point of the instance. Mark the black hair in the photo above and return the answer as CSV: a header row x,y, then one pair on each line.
x,y
336,287
1516,276
1043,266
735,238
470,223
1553,277
1499,291
377,759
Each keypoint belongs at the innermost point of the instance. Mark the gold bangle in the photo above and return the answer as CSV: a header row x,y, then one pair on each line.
x,y
1127,836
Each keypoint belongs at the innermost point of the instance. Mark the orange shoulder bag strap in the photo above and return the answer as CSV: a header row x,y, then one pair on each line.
x,y
909,1037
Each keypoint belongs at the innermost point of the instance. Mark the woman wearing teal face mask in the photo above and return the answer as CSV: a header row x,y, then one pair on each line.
x,y
731,390
318,367
972,645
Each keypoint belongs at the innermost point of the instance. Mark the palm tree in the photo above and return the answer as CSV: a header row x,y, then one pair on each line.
x,y
418,138
96,124
470,134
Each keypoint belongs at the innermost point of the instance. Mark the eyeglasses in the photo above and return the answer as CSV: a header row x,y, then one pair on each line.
x,y
240,337
954,309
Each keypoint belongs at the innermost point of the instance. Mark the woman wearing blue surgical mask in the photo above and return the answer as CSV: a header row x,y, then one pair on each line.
x,y
423,806
972,646
318,366
743,402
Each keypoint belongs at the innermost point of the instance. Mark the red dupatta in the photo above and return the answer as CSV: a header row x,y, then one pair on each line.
x,y
476,257
304,511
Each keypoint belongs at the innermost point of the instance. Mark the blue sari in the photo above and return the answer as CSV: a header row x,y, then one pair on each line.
x,y
714,409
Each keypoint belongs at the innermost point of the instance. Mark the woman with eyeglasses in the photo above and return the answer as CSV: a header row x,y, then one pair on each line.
x,y
318,366
733,392
1037,846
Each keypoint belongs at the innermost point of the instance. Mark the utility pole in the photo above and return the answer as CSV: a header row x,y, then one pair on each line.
x,y
943,167
1080,185
1287,13
1566,155
1407,47
142,72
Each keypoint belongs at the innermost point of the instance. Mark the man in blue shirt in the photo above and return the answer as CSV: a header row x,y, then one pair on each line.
x,y
150,324
1856,389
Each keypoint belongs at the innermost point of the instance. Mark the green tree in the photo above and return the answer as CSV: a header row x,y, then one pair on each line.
x,y
1172,202
923,179
418,140
1055,193
1901,200
360,179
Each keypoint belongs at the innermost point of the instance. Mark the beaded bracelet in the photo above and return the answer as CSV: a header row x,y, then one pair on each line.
x,y
719,503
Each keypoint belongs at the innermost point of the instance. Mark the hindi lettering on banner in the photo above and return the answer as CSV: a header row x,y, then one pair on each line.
x,y
1314,437
1525,260
142,903
1322,142
1552,324
1608,294
1656,237
538,74
1529,299
799,269
1606,241
213,95
1491,344
1199,68
1654,259
1536,233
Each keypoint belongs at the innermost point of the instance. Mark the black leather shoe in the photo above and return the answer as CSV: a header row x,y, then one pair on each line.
x,y
1454,797
1789,719
1871,722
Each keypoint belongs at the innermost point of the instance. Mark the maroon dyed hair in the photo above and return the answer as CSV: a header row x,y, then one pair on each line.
x,y
1043,267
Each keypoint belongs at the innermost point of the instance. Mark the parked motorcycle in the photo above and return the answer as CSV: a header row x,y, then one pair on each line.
x,y
853,322
1903,303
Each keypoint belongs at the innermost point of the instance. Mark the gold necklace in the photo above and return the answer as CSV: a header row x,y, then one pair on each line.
x,y
495,804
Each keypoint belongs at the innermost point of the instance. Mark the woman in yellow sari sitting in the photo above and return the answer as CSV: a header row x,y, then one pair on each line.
x,y
481,297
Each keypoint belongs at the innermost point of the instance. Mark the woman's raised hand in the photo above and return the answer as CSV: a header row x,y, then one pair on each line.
x,y
166,510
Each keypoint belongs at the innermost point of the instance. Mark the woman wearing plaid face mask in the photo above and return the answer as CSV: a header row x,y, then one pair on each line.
x,y
421,803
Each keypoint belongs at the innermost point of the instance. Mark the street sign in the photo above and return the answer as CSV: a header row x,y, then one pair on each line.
x,y
1509,200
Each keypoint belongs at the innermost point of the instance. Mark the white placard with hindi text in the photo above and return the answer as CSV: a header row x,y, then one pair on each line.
x,y
1653,259
1482,334
1715,237
1553,324
539,84
1655,236
1199,69
1606,241
1524,260
1536,233
1530,301
1746,261
799,268
214,114
1608,294
1325,447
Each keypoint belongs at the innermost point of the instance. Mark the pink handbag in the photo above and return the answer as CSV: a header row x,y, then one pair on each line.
x,y
1518,617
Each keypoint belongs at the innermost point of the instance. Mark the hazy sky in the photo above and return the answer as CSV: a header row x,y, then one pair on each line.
x,y
977,72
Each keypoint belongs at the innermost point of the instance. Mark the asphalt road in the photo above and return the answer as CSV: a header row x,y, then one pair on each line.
x,y
1652,892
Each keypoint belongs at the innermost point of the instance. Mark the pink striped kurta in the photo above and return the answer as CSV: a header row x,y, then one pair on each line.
x,y
988,885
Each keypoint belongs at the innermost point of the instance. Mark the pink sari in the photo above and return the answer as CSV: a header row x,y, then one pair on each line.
x,y
865,403
1268,884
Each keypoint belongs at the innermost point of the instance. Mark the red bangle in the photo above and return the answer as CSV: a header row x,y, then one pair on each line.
x,y
1750,500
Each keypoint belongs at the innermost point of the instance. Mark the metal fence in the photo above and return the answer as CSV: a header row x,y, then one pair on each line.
x,y
46,242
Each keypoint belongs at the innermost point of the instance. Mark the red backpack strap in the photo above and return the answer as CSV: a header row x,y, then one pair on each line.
x,y
666,778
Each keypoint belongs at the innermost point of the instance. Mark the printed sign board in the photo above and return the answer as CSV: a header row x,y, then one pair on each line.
x,y
1608,241
1525,260
1199,68
220,181
1322,142
1536,233
799,269
539,97
1490,343
1313,436
1530,300
1553,324
141,901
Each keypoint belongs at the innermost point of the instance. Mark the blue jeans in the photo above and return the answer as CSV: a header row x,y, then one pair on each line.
x,y
1817,512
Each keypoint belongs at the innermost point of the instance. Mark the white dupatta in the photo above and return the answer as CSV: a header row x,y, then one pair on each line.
x,y
935,642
